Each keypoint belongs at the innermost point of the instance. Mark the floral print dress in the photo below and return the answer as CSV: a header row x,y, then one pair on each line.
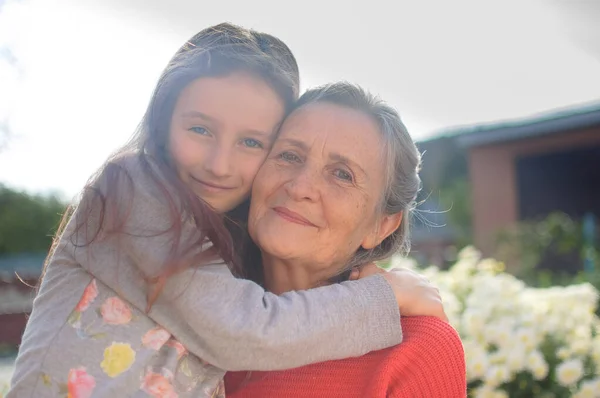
x,y
104,359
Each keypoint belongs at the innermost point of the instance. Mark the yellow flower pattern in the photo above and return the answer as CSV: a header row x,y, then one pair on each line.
x,y
118,357
116,339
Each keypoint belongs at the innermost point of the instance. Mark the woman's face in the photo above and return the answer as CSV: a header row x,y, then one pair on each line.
x,y
316,197
221,132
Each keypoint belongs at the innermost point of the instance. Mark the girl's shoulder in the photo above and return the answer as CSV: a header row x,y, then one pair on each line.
x,y
134,175
134,163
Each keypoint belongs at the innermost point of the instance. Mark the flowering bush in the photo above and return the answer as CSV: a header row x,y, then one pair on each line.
x,y
520,341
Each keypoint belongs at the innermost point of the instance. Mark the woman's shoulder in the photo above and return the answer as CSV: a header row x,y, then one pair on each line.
x,y
430,361
428,340
428,329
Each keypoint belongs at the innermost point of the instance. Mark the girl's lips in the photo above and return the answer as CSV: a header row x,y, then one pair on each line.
x,y
292,216
211,186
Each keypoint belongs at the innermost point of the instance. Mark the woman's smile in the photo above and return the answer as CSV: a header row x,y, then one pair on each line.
x,y
292,216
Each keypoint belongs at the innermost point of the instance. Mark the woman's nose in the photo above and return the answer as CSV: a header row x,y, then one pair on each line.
x,y
304,185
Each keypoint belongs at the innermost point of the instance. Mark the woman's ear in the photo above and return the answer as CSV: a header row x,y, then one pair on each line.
x,y
387,225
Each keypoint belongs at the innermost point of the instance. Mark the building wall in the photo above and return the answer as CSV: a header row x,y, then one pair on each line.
x,y
13,326
16,300
493,179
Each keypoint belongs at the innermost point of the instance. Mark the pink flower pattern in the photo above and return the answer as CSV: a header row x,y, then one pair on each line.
x,y
155,338
181,350
115,312
80,384
89,295
158,386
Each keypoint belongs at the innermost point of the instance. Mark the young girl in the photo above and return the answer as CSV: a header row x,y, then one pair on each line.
x,y
137,298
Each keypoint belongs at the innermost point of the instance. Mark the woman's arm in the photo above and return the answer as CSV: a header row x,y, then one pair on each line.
x,y
232,323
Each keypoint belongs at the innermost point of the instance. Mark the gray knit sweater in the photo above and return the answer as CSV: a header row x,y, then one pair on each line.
x,y
89,334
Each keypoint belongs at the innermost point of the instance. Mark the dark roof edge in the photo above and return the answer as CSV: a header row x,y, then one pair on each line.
x,y
540,128
560,120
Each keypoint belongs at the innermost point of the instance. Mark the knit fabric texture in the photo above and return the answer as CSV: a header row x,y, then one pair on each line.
x,y
429,363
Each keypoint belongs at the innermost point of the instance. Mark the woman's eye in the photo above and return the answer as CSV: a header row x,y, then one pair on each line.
x,y
199,130
343,175
252,143
289,157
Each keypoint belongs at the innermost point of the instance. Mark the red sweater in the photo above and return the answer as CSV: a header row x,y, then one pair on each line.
x,y
429,363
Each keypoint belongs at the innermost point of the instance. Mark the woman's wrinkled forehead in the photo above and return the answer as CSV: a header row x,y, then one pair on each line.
x,y
324,115
326,119
341,133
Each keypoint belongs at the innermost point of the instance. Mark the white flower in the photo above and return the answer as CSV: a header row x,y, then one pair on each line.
x,y
581,346
537,365
503,323
527,337
477,365
588,389
516,358
569,372
552,324
498,357
490,265
452,307
596,351
540,371
473,321
496,375
563,353
500,334
489,392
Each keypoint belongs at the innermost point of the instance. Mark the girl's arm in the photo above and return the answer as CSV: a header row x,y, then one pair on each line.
x,y
233,323
242,327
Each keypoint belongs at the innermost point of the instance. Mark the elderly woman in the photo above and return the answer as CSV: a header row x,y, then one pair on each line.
x,y
336,192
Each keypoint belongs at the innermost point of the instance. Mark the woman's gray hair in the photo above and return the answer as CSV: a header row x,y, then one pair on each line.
x,y
401,159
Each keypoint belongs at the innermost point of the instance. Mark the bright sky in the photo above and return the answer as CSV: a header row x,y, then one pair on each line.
x,y
79,73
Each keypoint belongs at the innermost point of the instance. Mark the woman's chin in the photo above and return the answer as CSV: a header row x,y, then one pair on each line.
x,y
281,251
284,232
282,245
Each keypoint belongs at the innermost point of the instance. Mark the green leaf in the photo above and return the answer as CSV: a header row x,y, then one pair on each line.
x,y
74,318
46,379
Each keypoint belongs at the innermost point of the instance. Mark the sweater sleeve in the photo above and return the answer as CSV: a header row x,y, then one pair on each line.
x,y
233,323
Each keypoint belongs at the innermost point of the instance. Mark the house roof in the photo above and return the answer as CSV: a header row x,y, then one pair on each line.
x,y
557,121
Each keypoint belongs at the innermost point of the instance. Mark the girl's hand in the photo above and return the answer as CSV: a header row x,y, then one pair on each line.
x,y
414,293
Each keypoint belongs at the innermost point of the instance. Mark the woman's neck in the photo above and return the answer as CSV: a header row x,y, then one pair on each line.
x,y
282,276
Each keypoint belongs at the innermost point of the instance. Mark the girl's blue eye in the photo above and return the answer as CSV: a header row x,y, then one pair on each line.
x,y
252,143
343,175
199,130
289,157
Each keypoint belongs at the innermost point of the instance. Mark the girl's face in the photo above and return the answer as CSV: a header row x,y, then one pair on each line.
x,y
221,132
